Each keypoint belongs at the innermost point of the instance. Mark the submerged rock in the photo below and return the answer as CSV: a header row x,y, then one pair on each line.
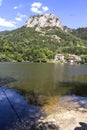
x,y
69,113
4,81
44,126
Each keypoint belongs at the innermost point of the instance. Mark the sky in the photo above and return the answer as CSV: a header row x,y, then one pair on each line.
x,y
14,13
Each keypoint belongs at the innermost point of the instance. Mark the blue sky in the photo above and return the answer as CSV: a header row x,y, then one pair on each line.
x,y
14,13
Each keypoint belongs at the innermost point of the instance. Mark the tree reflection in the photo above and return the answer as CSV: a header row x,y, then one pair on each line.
x,y
76,88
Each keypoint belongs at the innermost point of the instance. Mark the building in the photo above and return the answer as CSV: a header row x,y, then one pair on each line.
x,y
59,57
72,58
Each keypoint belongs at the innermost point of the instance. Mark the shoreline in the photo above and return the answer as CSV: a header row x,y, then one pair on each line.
x,y
48,61
65,113
69,116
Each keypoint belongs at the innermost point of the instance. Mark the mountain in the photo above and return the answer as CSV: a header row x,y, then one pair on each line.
x,y
80,33
44,20
40,39
3,32
66,29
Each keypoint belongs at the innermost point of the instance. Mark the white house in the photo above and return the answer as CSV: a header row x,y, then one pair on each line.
x,y
59,57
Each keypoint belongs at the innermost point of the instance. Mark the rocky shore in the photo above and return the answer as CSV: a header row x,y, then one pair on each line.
x,y
65,113
68,120
70,114
56,113
61,113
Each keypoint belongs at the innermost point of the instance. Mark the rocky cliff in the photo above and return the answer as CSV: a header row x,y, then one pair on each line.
x,y
44,20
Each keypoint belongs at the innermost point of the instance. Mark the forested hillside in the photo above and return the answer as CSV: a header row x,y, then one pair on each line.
x,y
40,41
81,33
27,44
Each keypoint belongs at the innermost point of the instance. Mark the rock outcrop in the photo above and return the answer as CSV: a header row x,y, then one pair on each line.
x,y
44,20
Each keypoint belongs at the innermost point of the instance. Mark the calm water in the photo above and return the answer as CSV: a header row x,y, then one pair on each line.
x,y
43,79
48,79
16,114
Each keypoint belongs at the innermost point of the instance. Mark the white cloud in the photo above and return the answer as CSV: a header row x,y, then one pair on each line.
x,y
17,7
5,23
0,2
45,8
36,4
20,17
38,8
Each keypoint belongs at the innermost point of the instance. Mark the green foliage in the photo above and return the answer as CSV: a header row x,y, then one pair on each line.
x,y
26,44
81,33
84,59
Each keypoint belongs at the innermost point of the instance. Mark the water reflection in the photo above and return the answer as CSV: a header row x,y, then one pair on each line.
x,y
73,102
8,117
47,79
76,88
40,84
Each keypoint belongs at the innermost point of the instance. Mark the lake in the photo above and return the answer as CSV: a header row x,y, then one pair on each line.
x,y
47,79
